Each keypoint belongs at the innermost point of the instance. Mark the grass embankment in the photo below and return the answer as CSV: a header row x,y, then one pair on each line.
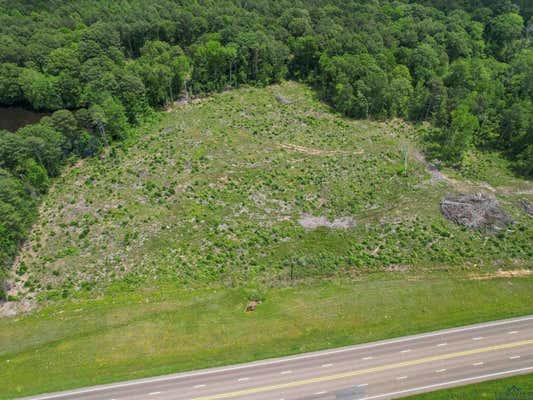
x,y
516,387
139,334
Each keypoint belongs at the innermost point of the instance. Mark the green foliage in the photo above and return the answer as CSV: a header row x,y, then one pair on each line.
x,y
418,60
460,136
41,91
466,68
17,212
34,174
213,192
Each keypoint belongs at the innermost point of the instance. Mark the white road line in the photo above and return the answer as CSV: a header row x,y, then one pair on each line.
x,y
327,365
284,359
401,378
514,357
199,386
362,385
285,372
513,371
153,393
440,370
512,332
478,338
477,364
243,379
442,344
367,358
405,351
320,393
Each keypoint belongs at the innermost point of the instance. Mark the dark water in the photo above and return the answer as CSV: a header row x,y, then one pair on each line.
x,y
13,118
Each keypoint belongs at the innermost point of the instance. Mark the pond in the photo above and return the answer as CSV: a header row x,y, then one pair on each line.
x,y
13,118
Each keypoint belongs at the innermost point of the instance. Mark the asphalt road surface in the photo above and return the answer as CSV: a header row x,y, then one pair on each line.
x,y
382,370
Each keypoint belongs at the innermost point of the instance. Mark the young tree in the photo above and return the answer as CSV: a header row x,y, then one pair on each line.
x,y
10,90
503,33
45,145
34,174
40,90
459,137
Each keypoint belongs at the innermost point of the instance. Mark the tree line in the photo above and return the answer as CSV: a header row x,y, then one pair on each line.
x,y
100,66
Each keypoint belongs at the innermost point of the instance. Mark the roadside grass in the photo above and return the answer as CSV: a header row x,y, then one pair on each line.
x,y
127,335
496,389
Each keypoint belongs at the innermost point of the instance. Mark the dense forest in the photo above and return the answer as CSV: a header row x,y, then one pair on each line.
x,y
465,66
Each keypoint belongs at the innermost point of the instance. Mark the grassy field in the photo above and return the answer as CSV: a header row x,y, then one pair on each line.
x,y
138,334
145,257
486,390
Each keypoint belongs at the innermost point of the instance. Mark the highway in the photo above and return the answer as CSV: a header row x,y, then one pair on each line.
x,y
381,370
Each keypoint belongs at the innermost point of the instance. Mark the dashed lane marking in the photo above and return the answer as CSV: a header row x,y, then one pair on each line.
x,y
286,359
454,382
350,374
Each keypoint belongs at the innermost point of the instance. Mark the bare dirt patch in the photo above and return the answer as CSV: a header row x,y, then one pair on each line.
x,y
316,152
282,99
12,308
311,222
475,211
517,273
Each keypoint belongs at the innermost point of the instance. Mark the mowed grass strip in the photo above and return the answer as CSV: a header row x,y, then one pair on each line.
x,y
154,332
507,388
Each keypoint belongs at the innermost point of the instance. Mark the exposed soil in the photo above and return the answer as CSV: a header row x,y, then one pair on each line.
x,y
517,273
475,211
282,99
315,151
310,222
12,308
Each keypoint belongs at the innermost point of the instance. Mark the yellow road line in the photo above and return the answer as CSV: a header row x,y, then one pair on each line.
x,y
363,371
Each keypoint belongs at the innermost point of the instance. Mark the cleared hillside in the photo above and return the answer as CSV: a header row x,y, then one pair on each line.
x,y
151,252
262,185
